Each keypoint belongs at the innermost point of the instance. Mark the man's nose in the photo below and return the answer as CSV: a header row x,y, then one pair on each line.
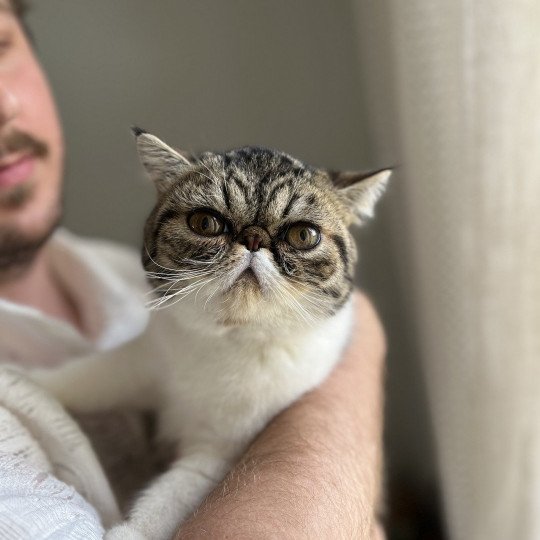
x,y
9,105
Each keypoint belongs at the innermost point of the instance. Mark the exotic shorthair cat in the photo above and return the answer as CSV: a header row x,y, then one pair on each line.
x,y
250,255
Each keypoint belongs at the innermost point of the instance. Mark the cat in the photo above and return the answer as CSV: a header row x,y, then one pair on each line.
x,y
252,265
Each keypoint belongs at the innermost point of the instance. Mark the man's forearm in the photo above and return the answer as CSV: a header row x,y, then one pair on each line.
x,y
315,471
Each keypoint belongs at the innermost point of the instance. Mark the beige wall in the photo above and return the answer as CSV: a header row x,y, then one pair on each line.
x,y
210,74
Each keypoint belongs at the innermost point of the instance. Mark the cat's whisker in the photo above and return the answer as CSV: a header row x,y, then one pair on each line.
x,y
180,276
156,291
164,298
161,302
184,291
171,282
171,287
301,310
201,266
156,263
156,275
178,273
205,283
192,286
195,262
172,272
211,296
313,301
167,284
213,293
297,310
289,300
311,298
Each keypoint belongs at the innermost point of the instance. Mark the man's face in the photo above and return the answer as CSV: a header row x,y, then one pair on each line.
x,y
31,149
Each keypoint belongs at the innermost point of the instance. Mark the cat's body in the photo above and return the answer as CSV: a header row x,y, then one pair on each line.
x,y
251,258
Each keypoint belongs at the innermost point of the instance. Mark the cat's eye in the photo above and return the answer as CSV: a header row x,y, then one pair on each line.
x,y
207,223
303,236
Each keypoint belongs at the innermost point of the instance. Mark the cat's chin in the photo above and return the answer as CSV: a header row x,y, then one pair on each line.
x,y
246,303
246,287
247,306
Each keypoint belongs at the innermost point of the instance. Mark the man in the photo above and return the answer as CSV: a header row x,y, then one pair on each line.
x,y
315,470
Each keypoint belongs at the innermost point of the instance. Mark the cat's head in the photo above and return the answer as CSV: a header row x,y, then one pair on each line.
x,y
252,236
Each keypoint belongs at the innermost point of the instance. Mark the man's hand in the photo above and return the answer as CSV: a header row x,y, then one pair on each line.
x,y
315,471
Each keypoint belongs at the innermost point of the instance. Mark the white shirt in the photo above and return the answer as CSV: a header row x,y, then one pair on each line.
x,y
106,283
108,287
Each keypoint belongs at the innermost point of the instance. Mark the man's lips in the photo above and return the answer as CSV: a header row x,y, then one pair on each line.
x,y
15,170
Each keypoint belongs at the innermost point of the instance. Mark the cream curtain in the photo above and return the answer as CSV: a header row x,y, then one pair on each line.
x,y
453,91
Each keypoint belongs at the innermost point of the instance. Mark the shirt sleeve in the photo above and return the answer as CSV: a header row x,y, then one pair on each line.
x,y
51,484
35,505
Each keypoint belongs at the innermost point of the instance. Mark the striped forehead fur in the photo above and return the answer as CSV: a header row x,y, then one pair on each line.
x,y
261,182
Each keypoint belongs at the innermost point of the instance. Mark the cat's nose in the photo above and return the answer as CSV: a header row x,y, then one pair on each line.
x,y
254,238
252,242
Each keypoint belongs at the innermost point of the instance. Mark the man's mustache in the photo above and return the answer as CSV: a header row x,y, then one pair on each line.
x,y
18,141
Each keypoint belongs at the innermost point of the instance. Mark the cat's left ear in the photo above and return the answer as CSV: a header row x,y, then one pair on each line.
x,y
361,190
162,163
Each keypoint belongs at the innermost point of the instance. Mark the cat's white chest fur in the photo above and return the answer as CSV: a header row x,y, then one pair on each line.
x,y
227,384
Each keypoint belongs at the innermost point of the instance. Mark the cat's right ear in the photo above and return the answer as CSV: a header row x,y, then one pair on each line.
x,y
162,163
361,190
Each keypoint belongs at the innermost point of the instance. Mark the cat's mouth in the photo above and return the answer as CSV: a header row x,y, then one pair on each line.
x,y
246,274
248,279
249,274
254,273
246,282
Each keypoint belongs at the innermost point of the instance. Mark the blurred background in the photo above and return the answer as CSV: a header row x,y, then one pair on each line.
x,y
447,91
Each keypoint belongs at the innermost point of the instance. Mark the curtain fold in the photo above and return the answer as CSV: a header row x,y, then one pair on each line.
x,y
463,119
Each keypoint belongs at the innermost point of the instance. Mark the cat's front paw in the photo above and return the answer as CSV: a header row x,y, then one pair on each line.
x,y
124,531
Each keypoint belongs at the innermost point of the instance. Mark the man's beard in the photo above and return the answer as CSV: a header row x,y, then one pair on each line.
x,y
16,197
17,248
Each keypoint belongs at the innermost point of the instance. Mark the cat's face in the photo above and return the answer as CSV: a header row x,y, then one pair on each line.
x,y
253,236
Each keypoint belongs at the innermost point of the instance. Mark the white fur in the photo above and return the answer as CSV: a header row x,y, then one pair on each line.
x,y
214,388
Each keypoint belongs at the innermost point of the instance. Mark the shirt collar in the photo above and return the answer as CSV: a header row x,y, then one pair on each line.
x,y
106,284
